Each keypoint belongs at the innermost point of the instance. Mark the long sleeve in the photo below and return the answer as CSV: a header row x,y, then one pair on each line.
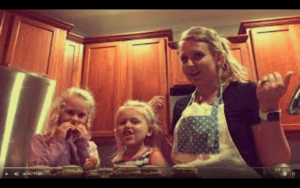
x,y
93,151
80,149
52,154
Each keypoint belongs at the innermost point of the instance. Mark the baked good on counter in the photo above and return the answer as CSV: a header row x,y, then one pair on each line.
x,y
126,171
101,172
184,172
69,171
137,172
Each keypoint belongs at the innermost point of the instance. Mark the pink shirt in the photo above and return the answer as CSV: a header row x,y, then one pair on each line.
x,y
58,153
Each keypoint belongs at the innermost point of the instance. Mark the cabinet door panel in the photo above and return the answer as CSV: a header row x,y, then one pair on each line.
x,y
147,71
274,52
240,53
70,69
101,77
31,46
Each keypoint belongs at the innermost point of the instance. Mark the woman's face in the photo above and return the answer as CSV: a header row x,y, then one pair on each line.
x,y
74,111
198,64
132,127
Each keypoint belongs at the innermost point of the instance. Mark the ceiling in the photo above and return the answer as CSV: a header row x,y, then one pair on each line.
x,y
94,22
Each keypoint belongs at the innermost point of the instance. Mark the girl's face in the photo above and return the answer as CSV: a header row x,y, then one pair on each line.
x,y
132,128
75,111
198,64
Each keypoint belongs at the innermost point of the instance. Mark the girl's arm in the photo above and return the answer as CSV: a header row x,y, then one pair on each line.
x,y
94,160
46,154
157,159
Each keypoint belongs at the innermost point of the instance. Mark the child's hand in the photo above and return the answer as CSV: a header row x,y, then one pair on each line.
x,y
157,103
82,130
91,162
61,131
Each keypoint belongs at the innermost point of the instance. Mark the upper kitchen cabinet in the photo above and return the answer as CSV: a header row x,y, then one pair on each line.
x,y
119,68
239,50
147,72
276,48
33,42
69,70
101,75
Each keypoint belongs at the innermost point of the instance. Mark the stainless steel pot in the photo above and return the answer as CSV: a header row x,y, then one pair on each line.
x,y
25,99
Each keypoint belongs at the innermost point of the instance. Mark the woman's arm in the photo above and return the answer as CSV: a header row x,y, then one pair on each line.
x,y
271,143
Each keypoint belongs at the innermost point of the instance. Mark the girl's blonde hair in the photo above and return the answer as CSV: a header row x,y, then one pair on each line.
x,y
55,110
231,70
145,109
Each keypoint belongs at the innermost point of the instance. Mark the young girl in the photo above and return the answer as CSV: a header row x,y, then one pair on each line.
x,y
66,138
135,133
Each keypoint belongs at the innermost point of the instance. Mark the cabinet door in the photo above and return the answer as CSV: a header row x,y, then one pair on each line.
x,y
147,72
2,16
3,34
242,54
33,46
100,75
274,51
70,69
177,76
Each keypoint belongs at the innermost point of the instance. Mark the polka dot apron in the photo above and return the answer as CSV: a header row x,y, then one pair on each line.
x,y
201,136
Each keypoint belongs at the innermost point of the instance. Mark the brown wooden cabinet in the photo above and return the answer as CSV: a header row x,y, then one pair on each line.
x,y
147,72
33,43
118,71
276,44
242,52
32,46
70,69
101,75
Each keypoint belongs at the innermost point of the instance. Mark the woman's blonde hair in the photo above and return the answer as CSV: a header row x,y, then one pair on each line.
x,y
55,110
231,69
145,109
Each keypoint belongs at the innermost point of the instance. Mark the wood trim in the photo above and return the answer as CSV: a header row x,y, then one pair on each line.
x,y
102,134
130,36
267,22
290,127
238,38
173,45
43,18
75,38
2,17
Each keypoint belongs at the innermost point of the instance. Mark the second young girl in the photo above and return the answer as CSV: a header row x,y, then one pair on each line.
x,y
135,132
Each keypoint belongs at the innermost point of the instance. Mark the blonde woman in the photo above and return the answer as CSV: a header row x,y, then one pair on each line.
x,y
66,140
136,134
225,122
